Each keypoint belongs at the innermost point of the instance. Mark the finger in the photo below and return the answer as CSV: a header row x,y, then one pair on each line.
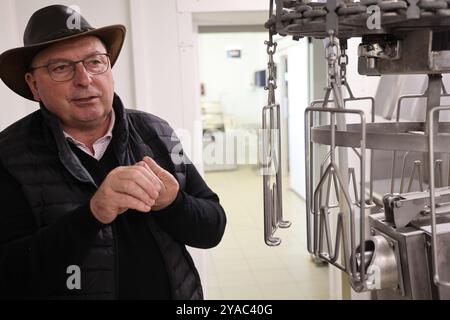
x,y
168,179
144,179
134,173
133,189
162,174
153,165
126,201
149,172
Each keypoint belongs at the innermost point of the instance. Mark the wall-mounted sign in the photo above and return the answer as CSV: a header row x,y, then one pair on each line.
x,y
234,54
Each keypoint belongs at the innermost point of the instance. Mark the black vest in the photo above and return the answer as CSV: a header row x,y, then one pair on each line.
x,y
35,152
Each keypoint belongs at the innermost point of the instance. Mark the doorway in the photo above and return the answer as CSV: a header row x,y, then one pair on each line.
x,y
232,75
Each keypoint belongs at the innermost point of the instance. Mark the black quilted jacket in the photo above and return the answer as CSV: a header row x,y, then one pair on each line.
x,y
39,172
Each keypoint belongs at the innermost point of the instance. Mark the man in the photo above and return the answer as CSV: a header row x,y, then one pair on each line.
x,y
95,204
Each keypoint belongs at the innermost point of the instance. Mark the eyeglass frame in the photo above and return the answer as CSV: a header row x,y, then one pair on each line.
x,y
73,65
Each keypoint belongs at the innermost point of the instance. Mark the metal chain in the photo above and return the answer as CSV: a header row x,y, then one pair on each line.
x,y
331,54
271,50
272,78
304,12
343,61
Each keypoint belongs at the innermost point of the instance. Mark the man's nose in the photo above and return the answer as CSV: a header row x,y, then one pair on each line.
x,y
82,77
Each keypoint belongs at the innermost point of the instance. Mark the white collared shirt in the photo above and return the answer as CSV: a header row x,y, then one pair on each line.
x,y
100,145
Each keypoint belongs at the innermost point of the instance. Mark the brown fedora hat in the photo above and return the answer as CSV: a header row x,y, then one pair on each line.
x,y
46,27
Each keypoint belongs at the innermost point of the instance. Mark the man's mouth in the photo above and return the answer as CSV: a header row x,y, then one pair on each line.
x,y
85,99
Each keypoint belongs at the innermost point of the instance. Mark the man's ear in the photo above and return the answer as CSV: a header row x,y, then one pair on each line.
x,y
32,84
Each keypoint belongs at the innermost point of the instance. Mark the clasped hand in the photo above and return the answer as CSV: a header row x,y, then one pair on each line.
x,y
143,187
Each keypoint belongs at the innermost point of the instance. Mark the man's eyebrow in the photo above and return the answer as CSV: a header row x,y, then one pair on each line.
x,y
53,60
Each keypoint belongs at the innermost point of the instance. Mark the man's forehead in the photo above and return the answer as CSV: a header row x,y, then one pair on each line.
x,y
71,49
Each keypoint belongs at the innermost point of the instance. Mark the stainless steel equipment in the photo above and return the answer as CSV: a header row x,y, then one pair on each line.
x,y
395,243
271,161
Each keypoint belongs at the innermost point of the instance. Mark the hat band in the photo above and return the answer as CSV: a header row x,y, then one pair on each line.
x,y
62,34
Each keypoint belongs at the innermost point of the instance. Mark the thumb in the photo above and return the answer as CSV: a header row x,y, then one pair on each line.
x,y
166,177
153,165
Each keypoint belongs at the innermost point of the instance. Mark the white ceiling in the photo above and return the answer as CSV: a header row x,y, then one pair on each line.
x,y
238,18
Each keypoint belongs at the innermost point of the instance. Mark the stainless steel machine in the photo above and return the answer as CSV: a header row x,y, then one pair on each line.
x,y
394,241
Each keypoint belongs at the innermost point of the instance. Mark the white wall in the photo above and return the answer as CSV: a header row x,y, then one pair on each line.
x,y
231,81
166,68
13,107
221,6
361,86
298,98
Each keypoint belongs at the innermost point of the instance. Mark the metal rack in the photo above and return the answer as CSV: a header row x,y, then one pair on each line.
x,y
384,248
271,162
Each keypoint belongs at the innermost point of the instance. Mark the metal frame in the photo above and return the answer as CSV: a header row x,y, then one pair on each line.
x,y
320,223
273,204
402,98
406,25
431,133
352,98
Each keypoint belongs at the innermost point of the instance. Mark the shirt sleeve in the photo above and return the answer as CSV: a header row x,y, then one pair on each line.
x,y
32,257
196,217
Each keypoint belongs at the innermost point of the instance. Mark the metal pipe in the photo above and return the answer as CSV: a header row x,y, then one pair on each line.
x,y
438,170
431,133
362,236
403,172
279,175
309,179
434,99
267,194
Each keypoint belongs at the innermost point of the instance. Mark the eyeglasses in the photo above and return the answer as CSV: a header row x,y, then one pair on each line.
x,y
64,70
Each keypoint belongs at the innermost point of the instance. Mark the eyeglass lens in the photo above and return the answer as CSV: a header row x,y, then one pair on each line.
x,y
65,70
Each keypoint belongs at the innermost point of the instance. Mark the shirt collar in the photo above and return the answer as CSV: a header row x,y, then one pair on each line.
x,y
108,134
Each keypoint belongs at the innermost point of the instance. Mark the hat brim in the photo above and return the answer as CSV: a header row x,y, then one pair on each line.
x,y
15,63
